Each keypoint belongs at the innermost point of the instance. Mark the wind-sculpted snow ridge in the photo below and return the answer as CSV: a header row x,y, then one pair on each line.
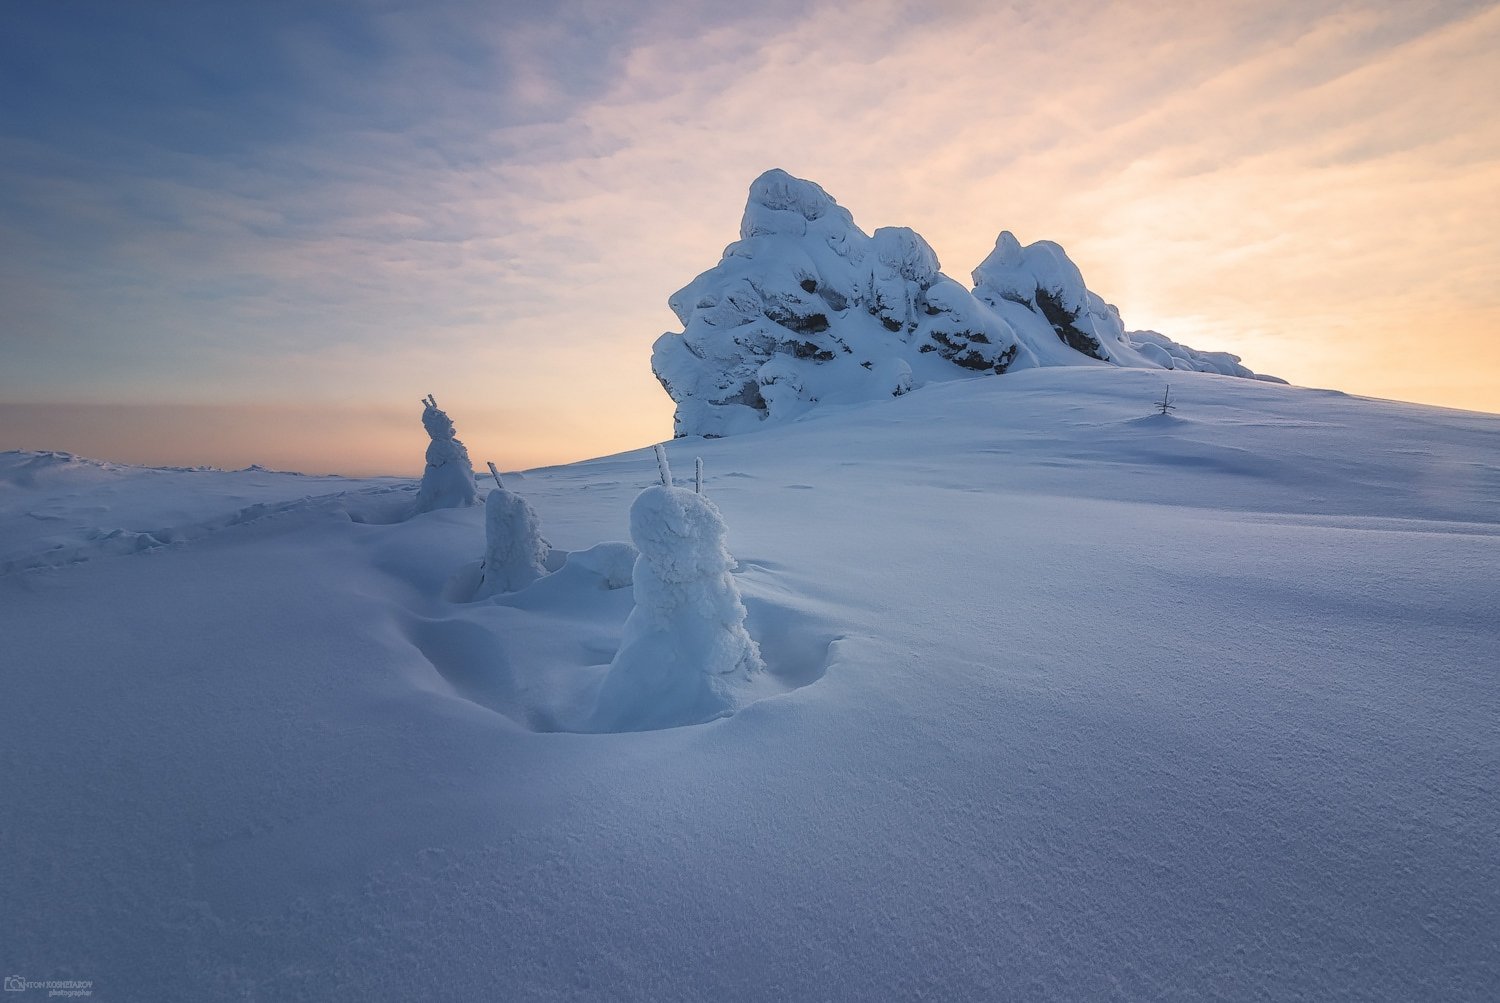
x,y
806,308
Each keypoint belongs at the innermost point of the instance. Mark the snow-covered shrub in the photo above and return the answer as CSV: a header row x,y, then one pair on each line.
x,y
515,554
448,480
685,652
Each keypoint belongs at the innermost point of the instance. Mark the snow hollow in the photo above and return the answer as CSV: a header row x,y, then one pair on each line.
x,y
1059,699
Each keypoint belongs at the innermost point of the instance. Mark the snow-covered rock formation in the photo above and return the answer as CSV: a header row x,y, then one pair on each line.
x,y
685,654
448,480
1039,293
806,308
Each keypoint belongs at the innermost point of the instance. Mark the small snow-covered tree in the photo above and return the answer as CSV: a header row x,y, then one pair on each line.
x,y
685,651
515,553
448,480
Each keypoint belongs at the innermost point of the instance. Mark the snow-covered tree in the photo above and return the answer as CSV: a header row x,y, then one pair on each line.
x,y
515,553
448,480
685,651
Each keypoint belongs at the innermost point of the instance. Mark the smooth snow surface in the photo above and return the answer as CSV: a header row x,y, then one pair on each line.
x,y
1071,701
806,309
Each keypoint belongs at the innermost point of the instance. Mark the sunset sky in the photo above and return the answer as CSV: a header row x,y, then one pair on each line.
x,y
259,232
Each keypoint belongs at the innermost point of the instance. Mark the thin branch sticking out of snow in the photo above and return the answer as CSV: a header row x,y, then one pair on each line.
x,y
661,466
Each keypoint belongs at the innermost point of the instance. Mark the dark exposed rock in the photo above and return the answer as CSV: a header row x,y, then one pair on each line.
x,y
835,300
812,323
807,350
1064,322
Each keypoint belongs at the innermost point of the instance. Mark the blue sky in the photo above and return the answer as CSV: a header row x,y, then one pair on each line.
x,y
282,207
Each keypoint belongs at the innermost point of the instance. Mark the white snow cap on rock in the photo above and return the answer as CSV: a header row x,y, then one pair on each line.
x,y
806,308
515,554
448,480
685,653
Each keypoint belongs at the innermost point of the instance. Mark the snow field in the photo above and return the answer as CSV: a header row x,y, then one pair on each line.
x,y
1089,703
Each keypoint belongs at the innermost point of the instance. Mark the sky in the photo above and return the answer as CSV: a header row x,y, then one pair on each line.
x,y
259,232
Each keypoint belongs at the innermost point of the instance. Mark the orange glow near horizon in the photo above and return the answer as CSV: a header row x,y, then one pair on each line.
x,y
355,442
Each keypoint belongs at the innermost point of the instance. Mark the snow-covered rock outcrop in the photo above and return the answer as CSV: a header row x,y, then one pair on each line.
x,y
806,308
1039,293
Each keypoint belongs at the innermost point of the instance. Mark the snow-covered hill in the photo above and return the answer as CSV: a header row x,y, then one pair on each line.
x,y
1063,700
805,308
